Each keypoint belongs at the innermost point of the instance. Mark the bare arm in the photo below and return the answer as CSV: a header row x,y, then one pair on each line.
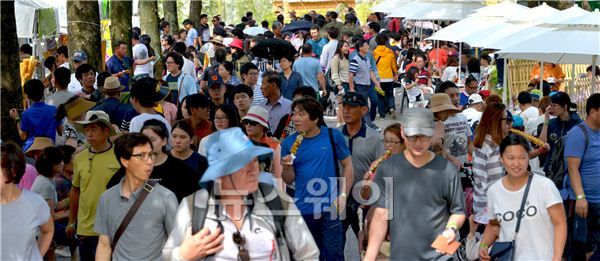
x,y
45,237
103,250
348,174
351,81
321,78
374,78
143,61
544,132
377,231
559,222
288,174
581,205
73,209
489,237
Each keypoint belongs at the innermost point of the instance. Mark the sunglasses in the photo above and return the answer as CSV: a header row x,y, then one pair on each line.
x,y
240,241
246,122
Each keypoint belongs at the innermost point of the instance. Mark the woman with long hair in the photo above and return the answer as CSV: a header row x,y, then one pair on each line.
x,y
226,116
183,147
340,66
451,71
495,124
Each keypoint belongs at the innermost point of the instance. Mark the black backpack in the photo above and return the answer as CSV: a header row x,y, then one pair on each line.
x,y
558,168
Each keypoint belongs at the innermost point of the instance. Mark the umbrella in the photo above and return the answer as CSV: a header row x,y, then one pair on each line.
x,y
457,31
273,49
297,26
253,31
427,25
504,9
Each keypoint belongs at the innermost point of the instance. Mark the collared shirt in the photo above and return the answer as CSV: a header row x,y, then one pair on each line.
x,y
152,222
38,121
257,97
365,147
115,109
327,54
317,45
280,109
360,67
289,85
115,65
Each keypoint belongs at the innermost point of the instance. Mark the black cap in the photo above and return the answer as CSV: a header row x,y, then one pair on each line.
x,y
354,99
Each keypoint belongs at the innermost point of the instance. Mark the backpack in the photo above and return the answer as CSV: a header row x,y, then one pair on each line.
x,y
275,204
558,168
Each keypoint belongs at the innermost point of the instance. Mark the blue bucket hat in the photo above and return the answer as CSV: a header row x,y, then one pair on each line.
x,y
228,151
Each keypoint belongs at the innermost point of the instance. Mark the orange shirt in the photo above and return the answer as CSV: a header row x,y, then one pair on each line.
x,y
269,141
549,71
440,55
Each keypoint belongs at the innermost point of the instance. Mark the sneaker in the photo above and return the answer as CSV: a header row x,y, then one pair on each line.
x,y
392,113
62,251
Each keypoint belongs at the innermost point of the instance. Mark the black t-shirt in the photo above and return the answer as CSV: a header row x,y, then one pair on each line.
x,y
173,174
197,162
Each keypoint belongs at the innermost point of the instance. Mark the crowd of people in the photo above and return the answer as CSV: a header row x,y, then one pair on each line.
x,y
226,155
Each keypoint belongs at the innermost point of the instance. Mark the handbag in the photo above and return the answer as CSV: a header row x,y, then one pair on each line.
x,y
505,251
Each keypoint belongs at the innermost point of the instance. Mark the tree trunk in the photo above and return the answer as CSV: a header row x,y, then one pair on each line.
x,y
10,80
150,26
195,11
170,10
85,35
120,23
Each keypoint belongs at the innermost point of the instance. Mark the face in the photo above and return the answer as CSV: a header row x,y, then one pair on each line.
x,y
277,30
88,79
420,62
172,66
58,168
184,111
352,114
242,101
453,93
167,29
556,109
314,34
204,20
200,113
285,63
121,50
535,103
183,35
217,93
364,48
140,167
95,135
251,78
416,145
506,125
515,160
345,48
302,120
442,115
484,62
243,181
223,72
392,142
221,120
472,87
157,142
181,140
267,88
253,129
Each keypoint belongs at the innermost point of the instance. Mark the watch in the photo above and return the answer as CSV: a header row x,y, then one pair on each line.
x,y
580,196
343,195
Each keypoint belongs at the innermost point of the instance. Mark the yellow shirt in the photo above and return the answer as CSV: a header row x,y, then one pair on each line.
x,y
91,173
386,62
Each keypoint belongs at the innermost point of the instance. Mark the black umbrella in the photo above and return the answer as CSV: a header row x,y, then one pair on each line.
x,y
297,26
274,49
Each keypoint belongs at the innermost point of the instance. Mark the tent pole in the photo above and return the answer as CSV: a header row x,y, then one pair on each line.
x,y
459,60
505,81
542,76
572,87
594,78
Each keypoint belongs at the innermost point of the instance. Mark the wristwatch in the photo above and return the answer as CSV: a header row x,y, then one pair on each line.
x,y
580,196
453,229
343,195
72,225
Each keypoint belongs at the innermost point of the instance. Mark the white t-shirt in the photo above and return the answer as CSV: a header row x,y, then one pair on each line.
x,y
528,116
472,115
450,73
458,133
137,122
536,232
140,52
75,86
188,67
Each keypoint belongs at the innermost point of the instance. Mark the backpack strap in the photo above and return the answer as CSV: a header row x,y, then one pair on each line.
x,y
586,136
335,159
147,188
198,213
276,206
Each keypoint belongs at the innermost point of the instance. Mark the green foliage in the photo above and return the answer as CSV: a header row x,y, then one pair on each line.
x,y
363,10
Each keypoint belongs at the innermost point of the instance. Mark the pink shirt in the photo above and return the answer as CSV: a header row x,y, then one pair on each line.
x,y
28,178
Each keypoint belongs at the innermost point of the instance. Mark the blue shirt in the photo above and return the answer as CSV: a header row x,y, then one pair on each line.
x,y
114,65
317,46
289,85
38,121
590,161
314,166
464,99
191,35
114,108
308,68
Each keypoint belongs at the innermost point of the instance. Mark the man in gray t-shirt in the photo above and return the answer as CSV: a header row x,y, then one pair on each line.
x,y
420,193
148,230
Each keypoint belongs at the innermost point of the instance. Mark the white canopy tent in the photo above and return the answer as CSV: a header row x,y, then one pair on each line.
x,y
25,15
436,10
389,5
503,9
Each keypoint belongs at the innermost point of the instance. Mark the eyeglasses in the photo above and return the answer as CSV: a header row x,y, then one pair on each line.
x,y
246,122
391,142
145,156
217,118
239,240
420,137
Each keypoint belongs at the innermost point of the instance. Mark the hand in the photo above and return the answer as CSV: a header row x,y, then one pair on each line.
x,y
14,114
547,113
484,254
288,160
340,87
340,203
127,71
324,93
449,234
70,231
201,244
544,149
581,207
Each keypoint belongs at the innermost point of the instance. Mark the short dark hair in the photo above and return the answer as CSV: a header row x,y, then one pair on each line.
x,y
375,26
68,152
228,66
264,23
143,91
244,19
242,88
44,164
592,103
202,16
84,68
280,18
315,27
163,25
64,50
237,32
102,78
381,39
272,77
249,13
118,43
333,32
221,55
486,57
306,48
312,107
589,69
359,43
333,15
125,144
50,62
12,161
34,89
177,58
524,97
188,21
197,100
470,79
443,86
350,19
179,47
158,127
514,139
305,91
135,35
168,38
62,76
247,67
26,49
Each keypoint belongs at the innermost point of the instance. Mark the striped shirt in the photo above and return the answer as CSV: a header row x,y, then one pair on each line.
x,y
258,99
487,169
360,68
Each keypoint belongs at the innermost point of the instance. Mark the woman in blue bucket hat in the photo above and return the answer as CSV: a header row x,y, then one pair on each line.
x,y
235,216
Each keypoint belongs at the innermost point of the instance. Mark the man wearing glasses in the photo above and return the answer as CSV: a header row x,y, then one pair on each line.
x,y
365,145
155,216
424,186
471,87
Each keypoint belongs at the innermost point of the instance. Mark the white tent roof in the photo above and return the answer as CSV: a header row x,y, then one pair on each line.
x,y
503,9
388,6
437,10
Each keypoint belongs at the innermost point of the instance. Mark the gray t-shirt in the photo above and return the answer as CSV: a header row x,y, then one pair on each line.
x,y
420,201
44,187
21,221
152,222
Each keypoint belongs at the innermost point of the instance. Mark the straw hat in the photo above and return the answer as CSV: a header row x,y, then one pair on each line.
x,y
39,143
441,102
92,117
112,84
78,107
